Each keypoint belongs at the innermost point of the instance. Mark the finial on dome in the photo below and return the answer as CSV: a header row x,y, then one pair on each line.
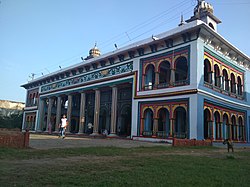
x,y
94,52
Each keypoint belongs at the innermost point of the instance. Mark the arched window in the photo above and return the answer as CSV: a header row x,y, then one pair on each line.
x,y
225,80
207,71
217,76
207,124
164,74
218,134
233,128
150,77
239,85
163,123
181,70
180,125
241,129
233,84
148,122
211,25
226,130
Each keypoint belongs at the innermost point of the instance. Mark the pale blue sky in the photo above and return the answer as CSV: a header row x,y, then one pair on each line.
x,y
36,36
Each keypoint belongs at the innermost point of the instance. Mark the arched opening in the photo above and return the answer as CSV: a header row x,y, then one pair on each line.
x,y
241,129
226,130
207,71
233,128
218,134
207,124
233,84
163,123
180,125
181,70
73,126
148,122
164,74
217,76
211,25
150,77
239,85
225,80
125,128
103,121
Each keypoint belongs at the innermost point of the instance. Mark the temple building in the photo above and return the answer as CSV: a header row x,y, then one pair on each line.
x,y
187,83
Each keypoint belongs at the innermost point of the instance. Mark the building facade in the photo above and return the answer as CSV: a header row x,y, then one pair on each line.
x,y
188,82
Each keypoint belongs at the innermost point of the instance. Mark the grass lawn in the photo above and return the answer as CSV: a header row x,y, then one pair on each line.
x,y
144,166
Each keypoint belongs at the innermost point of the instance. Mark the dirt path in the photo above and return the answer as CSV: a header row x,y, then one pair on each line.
x,y
38,141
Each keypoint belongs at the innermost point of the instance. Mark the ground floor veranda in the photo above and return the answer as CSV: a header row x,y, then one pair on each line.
x,y
110,108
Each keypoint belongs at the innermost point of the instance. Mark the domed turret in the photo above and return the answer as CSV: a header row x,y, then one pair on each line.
x,y
94,52
205,12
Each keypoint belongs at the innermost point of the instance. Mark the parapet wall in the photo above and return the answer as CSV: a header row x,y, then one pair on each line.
x,y
192,142
14,138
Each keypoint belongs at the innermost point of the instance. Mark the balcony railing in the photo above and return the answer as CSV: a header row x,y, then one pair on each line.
x,y
225,92
32,102
165,85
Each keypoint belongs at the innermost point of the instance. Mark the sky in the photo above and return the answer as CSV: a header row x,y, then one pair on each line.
x,y
38,36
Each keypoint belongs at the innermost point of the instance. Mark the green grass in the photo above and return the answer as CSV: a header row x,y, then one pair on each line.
x,y
155,166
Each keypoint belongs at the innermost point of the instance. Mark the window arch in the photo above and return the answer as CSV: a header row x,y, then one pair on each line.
x,y
226,130
164,73
217,76
163,122
149,77
233,127
207,124
233,84
241,129
181,71
207,71
211,25
239,85
180,125
218,129
225,80
148,122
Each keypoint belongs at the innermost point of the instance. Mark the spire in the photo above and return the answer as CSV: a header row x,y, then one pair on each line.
x,y
182,21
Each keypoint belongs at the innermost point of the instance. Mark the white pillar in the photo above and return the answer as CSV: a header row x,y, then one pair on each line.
x,y
69,111
113,112
58,112
96,112
49,114
82,113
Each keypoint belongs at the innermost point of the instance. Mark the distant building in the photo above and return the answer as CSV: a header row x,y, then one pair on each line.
x,y
188,82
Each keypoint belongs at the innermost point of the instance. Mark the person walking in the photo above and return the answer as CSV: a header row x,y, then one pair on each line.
x,y
64,124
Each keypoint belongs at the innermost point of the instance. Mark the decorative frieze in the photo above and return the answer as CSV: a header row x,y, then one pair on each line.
x,y
124,68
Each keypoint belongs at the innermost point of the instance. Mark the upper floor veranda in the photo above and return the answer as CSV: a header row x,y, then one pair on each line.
x,y
175,61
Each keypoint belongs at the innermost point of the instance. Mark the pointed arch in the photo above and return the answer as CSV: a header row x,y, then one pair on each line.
x,y
217,81
226,129
207,124
233,83
239,85
207,71
149,77
181,69
163,122
164,73
180,122
148,116
225,80
218,126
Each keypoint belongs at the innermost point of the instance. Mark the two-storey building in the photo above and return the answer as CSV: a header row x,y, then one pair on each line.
x,y
188,82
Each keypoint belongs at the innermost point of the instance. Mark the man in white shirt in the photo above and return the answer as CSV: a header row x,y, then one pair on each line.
x,y
64,124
